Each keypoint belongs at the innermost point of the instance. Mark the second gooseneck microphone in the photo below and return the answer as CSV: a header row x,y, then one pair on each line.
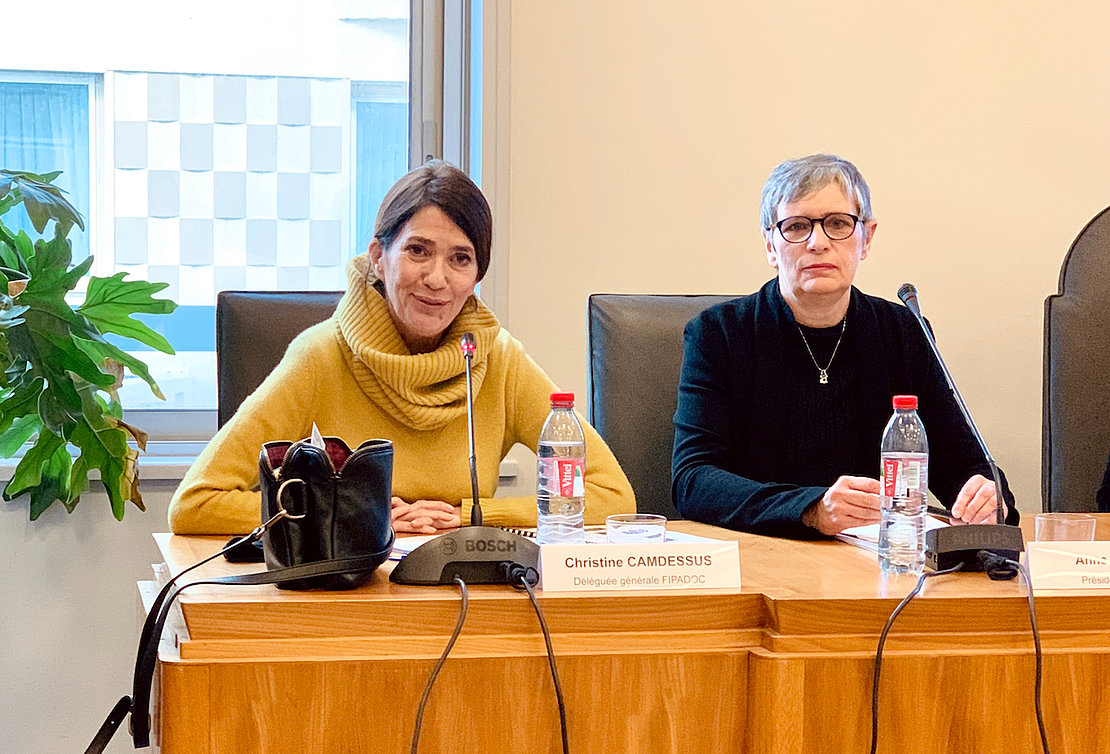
x,y
468,348
477,554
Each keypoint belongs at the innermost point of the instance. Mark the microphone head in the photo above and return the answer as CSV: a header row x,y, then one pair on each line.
x,y
908,294
467,344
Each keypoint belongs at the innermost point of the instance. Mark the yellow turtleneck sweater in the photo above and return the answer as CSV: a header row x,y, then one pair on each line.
x,y
355,378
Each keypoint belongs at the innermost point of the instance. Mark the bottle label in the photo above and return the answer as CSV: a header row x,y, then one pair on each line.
x,y
901,475
565,477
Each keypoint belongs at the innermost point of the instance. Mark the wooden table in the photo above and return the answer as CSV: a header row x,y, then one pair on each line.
x,y
783,666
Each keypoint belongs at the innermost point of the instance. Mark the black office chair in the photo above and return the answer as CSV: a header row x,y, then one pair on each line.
x,y
1076,409
635,345
253,329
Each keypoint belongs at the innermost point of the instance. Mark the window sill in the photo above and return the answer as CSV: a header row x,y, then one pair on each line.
x,y
162,461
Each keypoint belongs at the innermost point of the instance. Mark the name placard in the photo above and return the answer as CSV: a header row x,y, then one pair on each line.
x,y
666,565
1069,565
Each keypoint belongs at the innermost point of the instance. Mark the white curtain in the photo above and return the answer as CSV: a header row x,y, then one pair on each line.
x,y
43,128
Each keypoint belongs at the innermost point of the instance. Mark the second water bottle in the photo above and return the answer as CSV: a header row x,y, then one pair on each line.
x,y
561,475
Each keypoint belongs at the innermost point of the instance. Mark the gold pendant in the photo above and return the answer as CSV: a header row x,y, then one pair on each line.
x,y
823,377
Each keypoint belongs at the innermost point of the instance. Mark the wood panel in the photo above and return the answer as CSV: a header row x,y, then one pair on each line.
x,y
783,665
954,702
628,702
181,713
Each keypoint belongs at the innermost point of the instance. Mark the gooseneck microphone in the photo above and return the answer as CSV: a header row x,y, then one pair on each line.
x,y
951,545
468,348
477,554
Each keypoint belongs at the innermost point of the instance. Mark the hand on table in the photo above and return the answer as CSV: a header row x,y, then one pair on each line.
x,y
851,501
423,516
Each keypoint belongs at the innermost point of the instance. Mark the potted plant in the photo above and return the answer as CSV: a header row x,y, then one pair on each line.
x,y
58,373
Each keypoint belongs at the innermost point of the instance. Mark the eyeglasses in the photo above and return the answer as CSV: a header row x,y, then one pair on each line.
x,y
837,226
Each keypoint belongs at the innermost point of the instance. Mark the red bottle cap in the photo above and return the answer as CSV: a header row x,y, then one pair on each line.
x,y
562,400
905,402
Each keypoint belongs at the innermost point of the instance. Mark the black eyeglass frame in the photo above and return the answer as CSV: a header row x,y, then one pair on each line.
x,y
813,222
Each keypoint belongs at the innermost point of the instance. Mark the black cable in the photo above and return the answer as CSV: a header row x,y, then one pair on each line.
x,y
439,665
882,641
522,575
992,560
1040,657
138,701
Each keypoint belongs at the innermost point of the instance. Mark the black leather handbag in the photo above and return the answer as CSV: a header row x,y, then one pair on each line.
x,y
336,505
325,525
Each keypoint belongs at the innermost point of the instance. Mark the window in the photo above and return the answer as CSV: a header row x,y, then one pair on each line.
x,y
381,116
237,155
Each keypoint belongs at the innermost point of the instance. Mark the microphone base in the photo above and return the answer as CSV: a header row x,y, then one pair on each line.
x,y
476,554
946,547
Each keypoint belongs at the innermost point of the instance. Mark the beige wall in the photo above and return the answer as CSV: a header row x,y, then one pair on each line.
x,y
631,140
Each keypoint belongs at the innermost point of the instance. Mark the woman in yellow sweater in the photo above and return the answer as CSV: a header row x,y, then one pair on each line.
x,y
388,364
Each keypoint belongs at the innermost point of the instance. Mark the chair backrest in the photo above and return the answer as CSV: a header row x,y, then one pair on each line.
x,y
1076,410
253,329
635,344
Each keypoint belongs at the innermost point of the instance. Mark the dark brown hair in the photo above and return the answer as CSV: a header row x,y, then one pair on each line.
x,y
438,184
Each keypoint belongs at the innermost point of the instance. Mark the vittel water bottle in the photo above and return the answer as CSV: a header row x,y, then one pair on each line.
x,y
561,477
905,485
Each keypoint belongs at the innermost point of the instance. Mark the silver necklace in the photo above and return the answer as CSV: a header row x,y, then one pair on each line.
x,y
823,373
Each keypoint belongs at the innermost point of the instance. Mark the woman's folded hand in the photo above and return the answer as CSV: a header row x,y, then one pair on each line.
x,y
424,516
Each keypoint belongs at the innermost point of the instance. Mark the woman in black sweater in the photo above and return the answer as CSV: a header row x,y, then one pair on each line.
x,y
784,393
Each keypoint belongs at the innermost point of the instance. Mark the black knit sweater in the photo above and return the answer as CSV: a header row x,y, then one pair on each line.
x,y
758,439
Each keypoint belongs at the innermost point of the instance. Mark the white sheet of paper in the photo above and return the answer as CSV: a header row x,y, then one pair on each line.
x,y
316,440
402,546
870,533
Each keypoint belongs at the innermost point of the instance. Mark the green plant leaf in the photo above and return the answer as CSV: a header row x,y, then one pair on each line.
x,y
50,260
29,471
9,258
22,401
105,450
45,202
20,431
55,416
54,485
78,480
15,248
25,249
69,282
110,302
40,177
98,351
10,255
63,355
92,408
52,303
14,274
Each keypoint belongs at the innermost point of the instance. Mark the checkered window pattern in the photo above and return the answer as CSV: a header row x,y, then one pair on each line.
x,y
230,182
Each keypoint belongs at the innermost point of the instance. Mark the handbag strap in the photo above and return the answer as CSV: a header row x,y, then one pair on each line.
x,y
138,703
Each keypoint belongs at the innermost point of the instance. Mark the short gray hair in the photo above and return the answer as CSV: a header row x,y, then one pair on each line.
x,y
795,179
